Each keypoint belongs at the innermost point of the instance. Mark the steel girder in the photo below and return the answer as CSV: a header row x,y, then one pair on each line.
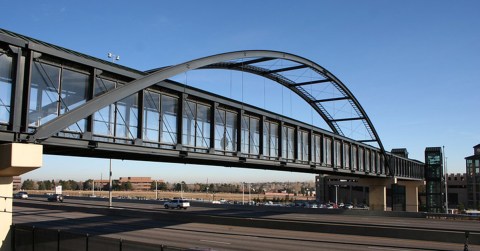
x,y
224,61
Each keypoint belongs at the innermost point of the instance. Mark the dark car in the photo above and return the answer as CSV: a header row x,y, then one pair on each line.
x,y
55,197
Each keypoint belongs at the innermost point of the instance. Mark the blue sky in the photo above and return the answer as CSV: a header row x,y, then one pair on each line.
x,y
413,65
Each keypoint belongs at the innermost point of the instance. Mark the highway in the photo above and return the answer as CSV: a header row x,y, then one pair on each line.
x,y
219,227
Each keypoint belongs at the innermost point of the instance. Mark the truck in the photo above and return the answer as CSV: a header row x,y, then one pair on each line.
x,y
177,203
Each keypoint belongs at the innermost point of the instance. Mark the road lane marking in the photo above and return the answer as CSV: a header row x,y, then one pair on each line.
x,y
218,242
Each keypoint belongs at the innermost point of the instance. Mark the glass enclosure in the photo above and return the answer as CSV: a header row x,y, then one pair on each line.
x,y
116,122
250,135
54,91
5,88
303,145
288,143
346,155
196,126
159,118
225,131
317,149
270,139
328,150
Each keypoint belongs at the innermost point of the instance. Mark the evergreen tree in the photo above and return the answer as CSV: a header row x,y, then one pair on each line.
x,y
28,185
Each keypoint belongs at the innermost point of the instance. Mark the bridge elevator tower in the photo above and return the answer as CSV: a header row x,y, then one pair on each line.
x,y
435,180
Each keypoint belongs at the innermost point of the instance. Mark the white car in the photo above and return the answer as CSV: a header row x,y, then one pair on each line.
x,y
21,195
177,203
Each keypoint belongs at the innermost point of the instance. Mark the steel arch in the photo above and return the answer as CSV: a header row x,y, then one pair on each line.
x,y
221,61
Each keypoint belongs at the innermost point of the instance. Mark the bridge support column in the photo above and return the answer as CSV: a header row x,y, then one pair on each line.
x,y
15,159
377,192
411,194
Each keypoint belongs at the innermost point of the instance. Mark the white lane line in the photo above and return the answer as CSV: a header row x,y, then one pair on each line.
x,y
218,242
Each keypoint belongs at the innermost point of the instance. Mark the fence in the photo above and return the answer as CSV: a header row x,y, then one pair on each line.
x,y
30,238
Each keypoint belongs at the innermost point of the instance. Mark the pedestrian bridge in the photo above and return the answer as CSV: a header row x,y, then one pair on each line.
x,y
77,105
57,101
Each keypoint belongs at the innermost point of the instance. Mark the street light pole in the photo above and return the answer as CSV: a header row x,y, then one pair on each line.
x,y
243,193
336,194
249,194
110,186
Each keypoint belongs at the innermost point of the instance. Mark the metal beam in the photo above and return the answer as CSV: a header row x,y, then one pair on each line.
x,y
330,99
366,140
313,82
287,69
347,119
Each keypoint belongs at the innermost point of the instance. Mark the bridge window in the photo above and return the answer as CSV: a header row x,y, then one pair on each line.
x,y
43,93
354,158
74,88
270,139
288,142
346,155
196,125
328,151
360,159
5,87
338,153
303,145
317,149
160,118
169,120
118,120
226,131
52,95
151,116
250,135
367,160
104,119
378,163
127,117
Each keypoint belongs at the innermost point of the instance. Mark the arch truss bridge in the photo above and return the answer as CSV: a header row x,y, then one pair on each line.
x,y
78,105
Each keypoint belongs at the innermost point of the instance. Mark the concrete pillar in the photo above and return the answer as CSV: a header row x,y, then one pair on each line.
x,y
377,192
6,188
15,159
411,194
377,197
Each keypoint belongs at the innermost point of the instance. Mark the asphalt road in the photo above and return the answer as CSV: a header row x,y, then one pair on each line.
x,y
240,228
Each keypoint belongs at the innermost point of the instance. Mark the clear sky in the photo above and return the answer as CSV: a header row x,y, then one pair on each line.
x,y
413,65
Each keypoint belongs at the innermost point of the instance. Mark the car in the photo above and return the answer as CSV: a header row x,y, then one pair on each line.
x,y
177,203
55,197
21,195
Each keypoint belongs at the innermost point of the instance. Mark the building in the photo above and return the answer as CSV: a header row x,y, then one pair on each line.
x,y
138,183
457,190
473,178
17,183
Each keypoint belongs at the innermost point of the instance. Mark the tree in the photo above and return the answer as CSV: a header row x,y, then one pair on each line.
x,y
88,184
128,186
162,186
41,185
28,185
